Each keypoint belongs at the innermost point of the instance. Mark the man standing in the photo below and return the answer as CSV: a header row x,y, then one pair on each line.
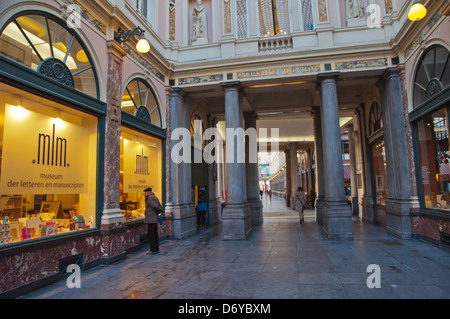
x,y
152,209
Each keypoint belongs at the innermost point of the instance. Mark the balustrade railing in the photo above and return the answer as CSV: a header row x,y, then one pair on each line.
x,y
275,44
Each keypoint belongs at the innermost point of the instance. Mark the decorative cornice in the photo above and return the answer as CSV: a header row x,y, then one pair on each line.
x,y
116,49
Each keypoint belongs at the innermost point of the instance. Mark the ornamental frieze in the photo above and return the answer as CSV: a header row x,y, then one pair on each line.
x,y
361,64
313,68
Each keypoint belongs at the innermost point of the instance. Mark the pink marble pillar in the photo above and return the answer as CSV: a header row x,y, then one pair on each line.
x,y
111,211
112,224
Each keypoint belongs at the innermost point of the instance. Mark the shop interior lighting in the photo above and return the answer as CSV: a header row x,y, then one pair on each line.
x,y
123,36
274,84
59,49
19,112
417,11
59,122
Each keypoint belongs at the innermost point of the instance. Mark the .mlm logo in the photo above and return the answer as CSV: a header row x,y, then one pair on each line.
x,y
142,164
49,153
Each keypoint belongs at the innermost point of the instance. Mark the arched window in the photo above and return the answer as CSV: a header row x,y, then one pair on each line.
x,y
139,100
45,44
375,118
433,74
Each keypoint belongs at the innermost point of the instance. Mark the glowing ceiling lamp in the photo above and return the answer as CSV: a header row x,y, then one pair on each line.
x,y
143,46
417,11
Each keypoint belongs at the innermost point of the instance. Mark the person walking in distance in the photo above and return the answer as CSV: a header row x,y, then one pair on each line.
x,y
152,209
300,201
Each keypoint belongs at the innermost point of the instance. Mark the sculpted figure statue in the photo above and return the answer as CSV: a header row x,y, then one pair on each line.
x,y
355,9
199,26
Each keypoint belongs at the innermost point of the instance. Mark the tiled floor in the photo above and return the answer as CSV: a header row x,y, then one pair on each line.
x,y
281,260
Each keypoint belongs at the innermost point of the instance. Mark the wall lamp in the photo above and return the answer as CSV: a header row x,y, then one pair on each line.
x,y
417,11
123,36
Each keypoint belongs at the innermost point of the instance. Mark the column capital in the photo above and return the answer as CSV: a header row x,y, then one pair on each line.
x,y
328,75
390,72
116,50
178,91
231,85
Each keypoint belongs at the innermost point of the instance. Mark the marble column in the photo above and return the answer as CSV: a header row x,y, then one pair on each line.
x,y
111,211
295,181
252,173
180,207
398,203
112,221
236,217
320,177
337,216
287,155
353,182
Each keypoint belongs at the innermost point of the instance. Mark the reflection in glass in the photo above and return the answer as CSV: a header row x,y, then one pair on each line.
x,y
54,189
138,93
433,74
380,172
140,167
273,17
32,39
434,160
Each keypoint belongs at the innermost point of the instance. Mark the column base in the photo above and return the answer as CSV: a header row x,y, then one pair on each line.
x,y
355,206
256,211
236,222
184,220
320,202
367,211
292,202
214,212
398,222
337,221
288,200
112,216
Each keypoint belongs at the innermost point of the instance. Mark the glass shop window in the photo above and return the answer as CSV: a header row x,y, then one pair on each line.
x,y
139,100
434,160
380,172
48,167
140,167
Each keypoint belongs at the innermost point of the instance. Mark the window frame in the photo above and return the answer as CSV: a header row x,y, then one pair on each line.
x,y
71,31
133,119
274,20
417,70
133,123
25,78
435,103
302,22
247,19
